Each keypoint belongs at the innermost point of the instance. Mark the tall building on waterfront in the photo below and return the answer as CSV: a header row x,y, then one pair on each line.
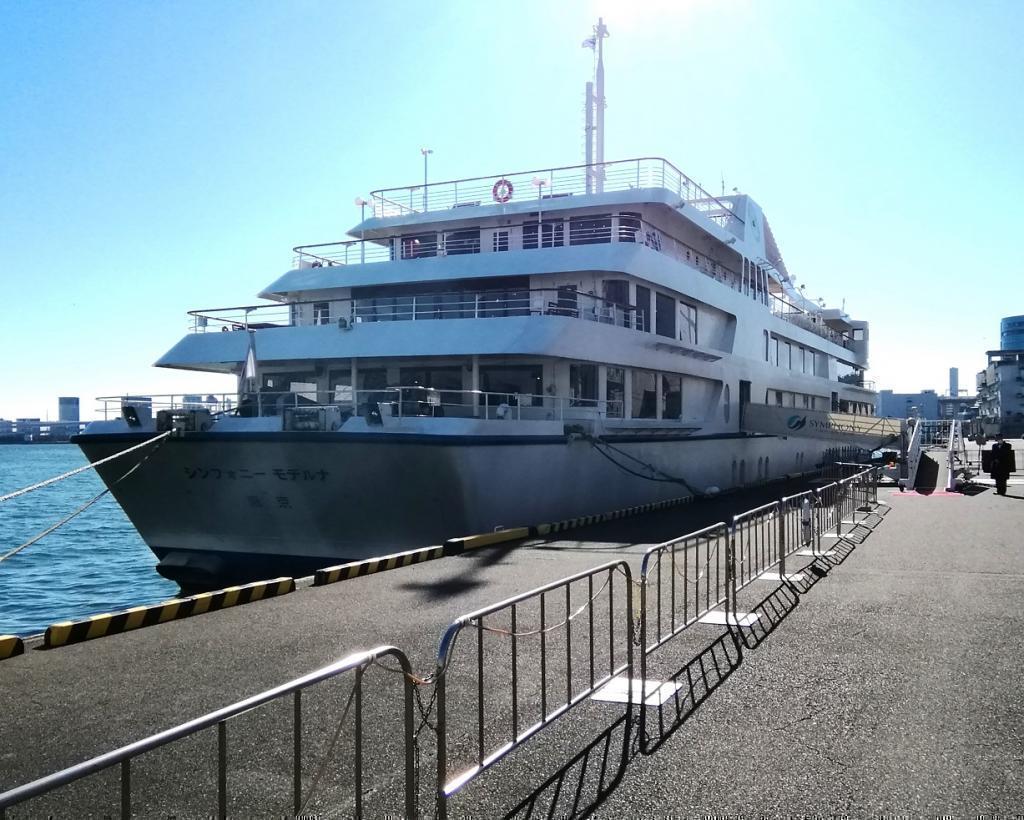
x,y
954,382
1011,333
1001,383
68,408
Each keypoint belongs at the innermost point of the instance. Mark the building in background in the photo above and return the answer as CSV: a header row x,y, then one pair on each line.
x,y
923,405
1011,333
954,381
68,408
1001,383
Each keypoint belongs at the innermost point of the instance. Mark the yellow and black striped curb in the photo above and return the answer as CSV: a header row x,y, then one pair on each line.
x,y
600,518
97,626
455,546
343,572
10,645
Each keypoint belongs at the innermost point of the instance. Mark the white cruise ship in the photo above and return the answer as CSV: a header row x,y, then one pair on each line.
x,y
490,352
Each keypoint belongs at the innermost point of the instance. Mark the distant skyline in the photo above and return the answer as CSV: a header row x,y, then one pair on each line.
x,y
162,157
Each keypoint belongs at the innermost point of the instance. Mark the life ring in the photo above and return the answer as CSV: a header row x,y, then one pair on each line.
x,y
502,190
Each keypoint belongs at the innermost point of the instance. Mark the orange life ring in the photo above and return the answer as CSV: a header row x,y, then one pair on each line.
x,y
502,190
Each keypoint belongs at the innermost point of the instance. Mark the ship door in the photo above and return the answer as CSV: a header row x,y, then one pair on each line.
x,y
744,398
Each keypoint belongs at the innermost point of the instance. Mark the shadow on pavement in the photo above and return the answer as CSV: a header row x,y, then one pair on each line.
x,y
582,784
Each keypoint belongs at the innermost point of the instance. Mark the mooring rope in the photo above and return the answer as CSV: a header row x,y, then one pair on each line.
x,y
40,536
91,466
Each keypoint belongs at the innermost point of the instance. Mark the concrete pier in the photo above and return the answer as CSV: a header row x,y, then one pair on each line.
x,y
887,682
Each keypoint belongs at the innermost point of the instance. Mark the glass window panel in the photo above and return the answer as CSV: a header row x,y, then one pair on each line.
x,y
671,396
644,394
665,315
615,391
583,385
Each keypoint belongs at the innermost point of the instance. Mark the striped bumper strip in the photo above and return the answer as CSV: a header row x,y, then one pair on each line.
x,y
343,572
67,632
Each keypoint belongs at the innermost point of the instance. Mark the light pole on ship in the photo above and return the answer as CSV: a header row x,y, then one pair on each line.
x,y
426,153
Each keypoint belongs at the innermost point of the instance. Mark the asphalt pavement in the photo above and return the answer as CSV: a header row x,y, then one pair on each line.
x,y
888,682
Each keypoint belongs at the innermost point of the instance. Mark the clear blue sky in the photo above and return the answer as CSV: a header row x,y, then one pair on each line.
x,y
161,157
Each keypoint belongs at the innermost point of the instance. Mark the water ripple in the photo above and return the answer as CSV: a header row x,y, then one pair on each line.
x,y
95,563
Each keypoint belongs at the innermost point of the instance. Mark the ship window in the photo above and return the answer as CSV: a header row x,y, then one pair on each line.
x,y
671,396
644,393
499,241
566,304
321,313
437,378
665,315
766,340
629,226
787,353
457,243
615,392
371,383
687,323
778,398
417,246
616,290
511,381
726,405
551,234
583,385
590,230
643,304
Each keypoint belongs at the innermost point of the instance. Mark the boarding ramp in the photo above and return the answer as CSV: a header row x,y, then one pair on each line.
x,y
868,432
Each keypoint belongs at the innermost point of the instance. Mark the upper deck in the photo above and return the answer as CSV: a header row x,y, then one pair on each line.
x,y
541,185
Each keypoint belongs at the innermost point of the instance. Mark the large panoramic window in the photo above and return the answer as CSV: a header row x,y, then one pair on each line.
x,y
643,307
419,245
460,242
615,391
510,380
548,234
583,385
671,396
687,323
590,230
665,315
644,394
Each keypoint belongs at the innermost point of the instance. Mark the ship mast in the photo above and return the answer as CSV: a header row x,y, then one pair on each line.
x,y
594,112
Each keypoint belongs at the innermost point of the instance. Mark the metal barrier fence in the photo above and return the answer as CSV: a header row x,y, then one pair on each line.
x,y
357,664
798,528
546,615
754,538
687,579
546,645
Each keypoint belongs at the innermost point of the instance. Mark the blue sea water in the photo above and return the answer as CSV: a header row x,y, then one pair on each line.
x,y
95,563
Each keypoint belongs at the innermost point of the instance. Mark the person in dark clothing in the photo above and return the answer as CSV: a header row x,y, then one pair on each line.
x,y
1002,463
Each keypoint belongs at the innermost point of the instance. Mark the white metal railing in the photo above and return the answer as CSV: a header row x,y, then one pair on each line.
x,y
403,401
913,453
482,304
550,232
786,309
548,183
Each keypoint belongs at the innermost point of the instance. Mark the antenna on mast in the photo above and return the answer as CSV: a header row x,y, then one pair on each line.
x,y
595,105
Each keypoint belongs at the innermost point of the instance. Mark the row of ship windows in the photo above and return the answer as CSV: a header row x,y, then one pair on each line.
x,y
787,398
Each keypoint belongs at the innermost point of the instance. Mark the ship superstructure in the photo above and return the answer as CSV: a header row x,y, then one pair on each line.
x,y
482,353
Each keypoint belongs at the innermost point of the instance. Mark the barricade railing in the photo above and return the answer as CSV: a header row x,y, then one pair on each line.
x,y
825,509
357,664
681,581
755,543
798,528
550,658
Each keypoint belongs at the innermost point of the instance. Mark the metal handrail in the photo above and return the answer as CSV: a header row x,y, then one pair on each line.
x,y
358,661
572,697
486,304
553,232
557,181
395,400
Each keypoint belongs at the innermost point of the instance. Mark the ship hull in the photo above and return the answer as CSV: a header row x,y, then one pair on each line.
x,y
231,508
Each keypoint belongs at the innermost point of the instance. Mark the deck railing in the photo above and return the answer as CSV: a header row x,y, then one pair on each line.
x,y
319,410
482,304
549,183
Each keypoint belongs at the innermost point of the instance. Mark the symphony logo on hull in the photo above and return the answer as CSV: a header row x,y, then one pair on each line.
x,y
796,422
